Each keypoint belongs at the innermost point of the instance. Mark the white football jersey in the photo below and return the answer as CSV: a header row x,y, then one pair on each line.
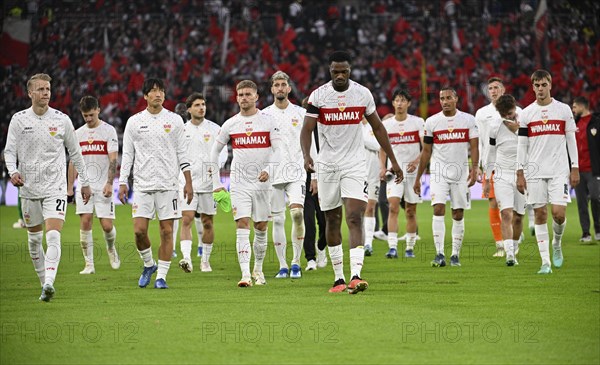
x,y
96,144
339,117
405,137
155,145
200,139
506,150
486,117
450,151
546,126
290,121
35,147
251,138
371,154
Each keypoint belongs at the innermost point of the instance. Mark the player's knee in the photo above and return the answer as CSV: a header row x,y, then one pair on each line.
x,y
353,218
297,216
279,218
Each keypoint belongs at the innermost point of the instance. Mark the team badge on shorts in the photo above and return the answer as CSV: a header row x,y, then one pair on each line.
x,y
134,208
27,218
593,131
234,211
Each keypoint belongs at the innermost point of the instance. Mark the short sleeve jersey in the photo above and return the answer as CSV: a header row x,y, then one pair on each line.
x,y
96,144
289,121
486,119
546,127
251,138
339,117
405,138
156,147
200,139
450,152
506,149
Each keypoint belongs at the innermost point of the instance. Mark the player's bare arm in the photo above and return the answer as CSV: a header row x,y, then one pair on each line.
x,y
474,143
188,190
306,141
71,176
425,157
380,134
107,191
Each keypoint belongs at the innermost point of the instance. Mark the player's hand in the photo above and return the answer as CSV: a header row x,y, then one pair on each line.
x,y
309,164
512,125
188,192
107,191
86,193
574,178
264,176
479,176
521,183
398,172
314,189
16,179
472,177
70,195
417,187
123,193
412,166
382,176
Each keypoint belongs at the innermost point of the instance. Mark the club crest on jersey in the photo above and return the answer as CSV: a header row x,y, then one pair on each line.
x,y
167,128
544,116
248,131
90,140
295,121
52,131
341,106
206,137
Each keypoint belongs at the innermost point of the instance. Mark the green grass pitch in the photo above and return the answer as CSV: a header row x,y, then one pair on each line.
x,y
480,313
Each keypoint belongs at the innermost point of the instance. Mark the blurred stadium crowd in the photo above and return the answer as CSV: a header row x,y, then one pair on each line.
x,y
106,48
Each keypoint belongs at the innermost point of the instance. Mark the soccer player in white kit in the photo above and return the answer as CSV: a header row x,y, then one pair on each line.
x,y
154,145
448,137
546,142
339,106
501,157
290,177
100,148
200,134
36,162
485,117
254,137
405,132
372,162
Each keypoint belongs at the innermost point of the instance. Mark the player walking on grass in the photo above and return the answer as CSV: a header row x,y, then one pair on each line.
x,y
254,137
405,132
546,143
36,162
484,118
290,177
200,134
154,145
100,147
501,158
339,107
448,137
